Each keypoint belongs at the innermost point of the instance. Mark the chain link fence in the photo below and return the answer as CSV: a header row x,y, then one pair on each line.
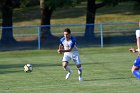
x,y
105,34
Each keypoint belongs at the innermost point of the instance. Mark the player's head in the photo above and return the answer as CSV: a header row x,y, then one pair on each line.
x,y
67,30
67,33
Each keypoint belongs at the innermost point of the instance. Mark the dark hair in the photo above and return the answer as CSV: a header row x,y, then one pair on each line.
x,y
67,30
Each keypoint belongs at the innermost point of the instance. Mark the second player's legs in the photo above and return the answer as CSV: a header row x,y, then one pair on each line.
x,y
135,71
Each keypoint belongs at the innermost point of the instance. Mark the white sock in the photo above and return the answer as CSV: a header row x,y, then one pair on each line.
x,y
80,71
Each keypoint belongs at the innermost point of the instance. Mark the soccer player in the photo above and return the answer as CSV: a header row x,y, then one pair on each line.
x,y
136,66
68,47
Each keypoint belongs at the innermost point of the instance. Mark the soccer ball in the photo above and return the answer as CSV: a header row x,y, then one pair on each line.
x,y
28,68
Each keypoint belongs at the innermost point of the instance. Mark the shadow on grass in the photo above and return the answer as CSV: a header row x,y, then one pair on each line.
x,y
10,71
110,78
16,68
22,65
34,14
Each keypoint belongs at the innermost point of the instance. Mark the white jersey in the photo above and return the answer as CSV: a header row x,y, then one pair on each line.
x,y
137,33
74,55
69,44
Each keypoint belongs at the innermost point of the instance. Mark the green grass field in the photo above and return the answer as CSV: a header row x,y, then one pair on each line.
x,y
105,70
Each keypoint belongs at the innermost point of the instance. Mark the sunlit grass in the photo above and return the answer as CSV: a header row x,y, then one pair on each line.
x,y
105,70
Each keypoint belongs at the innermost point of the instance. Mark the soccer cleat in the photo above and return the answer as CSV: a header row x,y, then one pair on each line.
x,y
69,73
80,78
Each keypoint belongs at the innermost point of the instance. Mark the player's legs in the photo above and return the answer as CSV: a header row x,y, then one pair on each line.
x,y
79,67
67,68
77,61
65,62
136,67
135,71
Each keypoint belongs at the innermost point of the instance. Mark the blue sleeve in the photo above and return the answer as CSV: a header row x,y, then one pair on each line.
x,y
73,42
61,40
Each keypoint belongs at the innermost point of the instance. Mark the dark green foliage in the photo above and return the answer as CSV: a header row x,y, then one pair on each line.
x,y
28,3
55,4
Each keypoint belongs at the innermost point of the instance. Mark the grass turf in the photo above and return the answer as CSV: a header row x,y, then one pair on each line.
x,y
104,70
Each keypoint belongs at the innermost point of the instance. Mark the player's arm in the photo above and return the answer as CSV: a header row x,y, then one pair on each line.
x,y
133,50
61,47
138,39
68,50
138,45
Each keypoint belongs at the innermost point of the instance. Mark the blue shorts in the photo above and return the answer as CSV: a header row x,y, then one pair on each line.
x,y
137,62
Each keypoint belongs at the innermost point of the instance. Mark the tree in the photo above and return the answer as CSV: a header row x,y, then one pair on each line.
x,y
47,7
90,17
92,6
7,23
46,13
28,3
